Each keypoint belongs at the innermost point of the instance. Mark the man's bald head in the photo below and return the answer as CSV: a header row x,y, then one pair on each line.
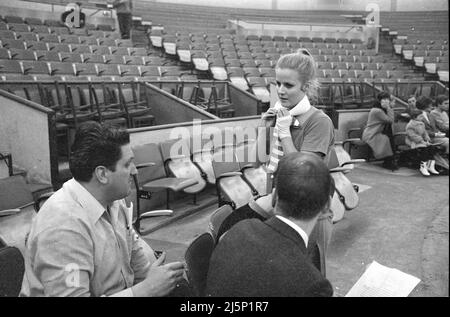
x,y
303,184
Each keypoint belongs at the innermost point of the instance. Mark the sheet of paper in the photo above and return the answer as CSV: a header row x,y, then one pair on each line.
x,y
381,281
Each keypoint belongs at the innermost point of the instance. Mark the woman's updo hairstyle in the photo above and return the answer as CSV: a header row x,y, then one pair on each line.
x,y
302,62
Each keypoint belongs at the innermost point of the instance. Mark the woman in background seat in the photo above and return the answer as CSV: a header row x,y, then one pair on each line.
x,y
378,132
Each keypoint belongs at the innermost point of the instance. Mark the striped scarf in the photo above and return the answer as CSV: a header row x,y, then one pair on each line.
x,y
277,149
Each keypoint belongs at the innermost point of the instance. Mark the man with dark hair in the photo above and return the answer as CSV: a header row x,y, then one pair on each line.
x,y
269,258
440,113
82,242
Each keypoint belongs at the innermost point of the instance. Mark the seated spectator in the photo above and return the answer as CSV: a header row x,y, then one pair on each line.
x,y
256,258
82,242
424,104
440,113
417,138
378,131
411,103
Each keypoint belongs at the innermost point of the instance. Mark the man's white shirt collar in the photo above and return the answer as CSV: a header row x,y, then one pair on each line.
x,y
300,231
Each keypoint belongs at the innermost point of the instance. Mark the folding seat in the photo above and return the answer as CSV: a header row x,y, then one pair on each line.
x,y
150,71
325,51
4,53
291,39
53,23
48,56
267,44
242,48
315,51
363,59
69,39
177,159
251,72
304,39
71,57
152,177
218,70
3,26
88,40
271,50
108,70
342,40
60,30
232,62
230,54
347,59
369,52
263,62
10,43
133,60
231,187
357,66
258,86
213,47
364,75
254,43
371,66
278,38
92,58
297,45
96,33
124,43
10,67
86,69
248,63
37,46
252,37
317,39
325,65
340,65
62,68
35,67
347,46
333,58
321,58
377,59
332,73
40,29
59,47
228,48
236,75
119,50
100,50
258,52
320,46
170,71
106,41
214,54
434,53
153,60
137,51
27,36
380,74
6,34
129,70
19,54
19,27
114,59
396,74
285,50
49,38
267,72
273,56
282,44
340,52
330,40
245,55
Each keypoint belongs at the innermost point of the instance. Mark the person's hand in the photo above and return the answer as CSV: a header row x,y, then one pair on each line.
x,y
284,121
268,118
161,278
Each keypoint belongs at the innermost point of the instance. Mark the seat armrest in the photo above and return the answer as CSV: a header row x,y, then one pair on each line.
x,y
353,161
230,174
156,213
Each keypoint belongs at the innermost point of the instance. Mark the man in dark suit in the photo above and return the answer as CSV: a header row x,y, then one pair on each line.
x,y
256,258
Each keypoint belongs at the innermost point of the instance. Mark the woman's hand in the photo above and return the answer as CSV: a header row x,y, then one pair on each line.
x,y
284,121
268,118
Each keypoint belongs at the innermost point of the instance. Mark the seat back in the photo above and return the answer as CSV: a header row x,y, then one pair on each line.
x,y
180,164
147,153
197,258
217,218
12,268
14,193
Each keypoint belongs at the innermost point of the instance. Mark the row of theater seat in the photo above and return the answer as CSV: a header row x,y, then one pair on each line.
x,y
66,39
85,69
73,48
55,56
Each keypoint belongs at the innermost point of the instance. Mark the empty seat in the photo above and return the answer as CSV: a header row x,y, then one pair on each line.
x,y
19,27
4,53
10,43
13,19
133,60
59,47
19,54
62,68
71,57
35,67
88,40
114,59
129,70
100,50
27,36
12,67
48,56
86,69
119,50
80,49
37,45
108,70
150,71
